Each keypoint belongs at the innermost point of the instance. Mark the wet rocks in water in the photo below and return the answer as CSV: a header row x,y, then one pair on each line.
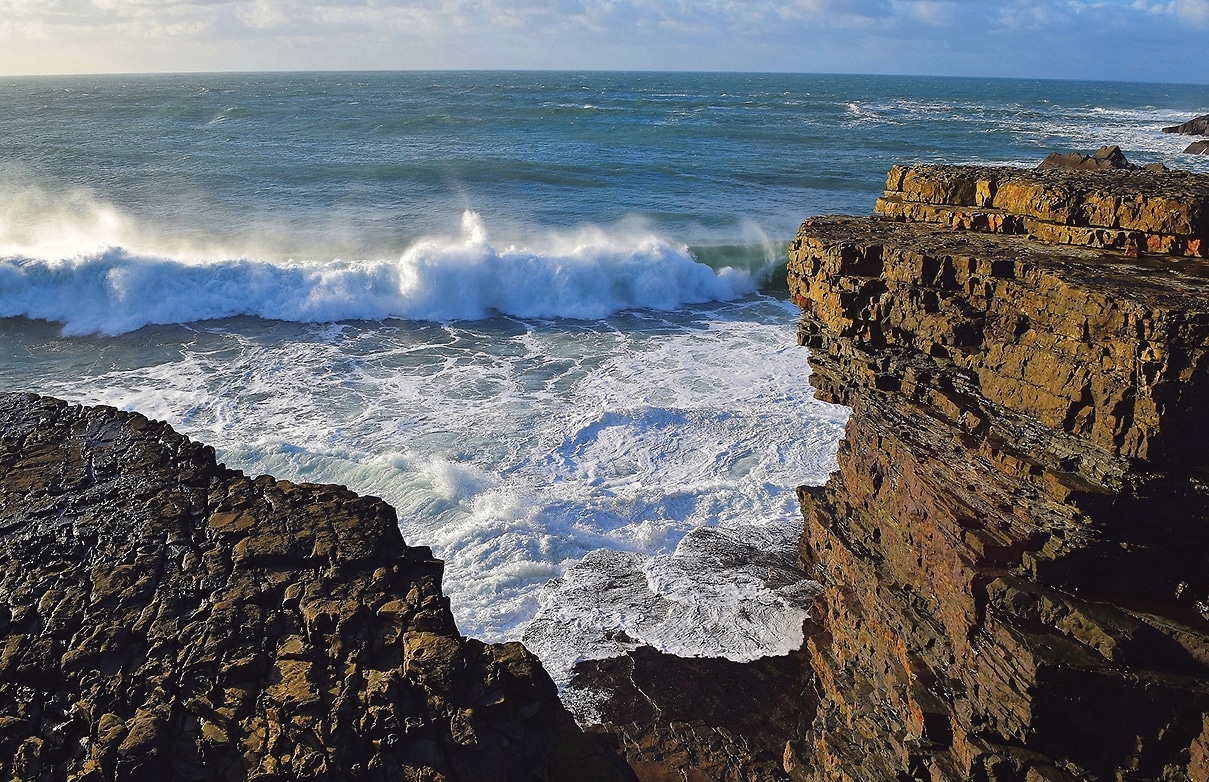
x,y
163,617
1198,148
1193,127
1105,158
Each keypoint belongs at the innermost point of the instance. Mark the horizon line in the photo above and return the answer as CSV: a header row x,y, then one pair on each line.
x,y
637,71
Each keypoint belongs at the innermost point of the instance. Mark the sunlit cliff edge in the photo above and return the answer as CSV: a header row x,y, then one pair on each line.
x,y
1015,550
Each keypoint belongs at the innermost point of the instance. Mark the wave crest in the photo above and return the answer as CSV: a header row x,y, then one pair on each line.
x,y
587,275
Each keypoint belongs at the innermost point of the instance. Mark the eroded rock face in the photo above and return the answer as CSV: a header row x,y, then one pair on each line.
x,y
1139,212
1015,549
162,617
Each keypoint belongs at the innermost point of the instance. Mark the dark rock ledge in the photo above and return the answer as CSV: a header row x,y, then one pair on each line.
x,y
165,618
1198,126
701,720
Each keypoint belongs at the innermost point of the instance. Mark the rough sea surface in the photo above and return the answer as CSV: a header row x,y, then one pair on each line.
x,y
531,310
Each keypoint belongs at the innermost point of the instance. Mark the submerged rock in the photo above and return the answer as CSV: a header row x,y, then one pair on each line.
x,y
1015,549
163,617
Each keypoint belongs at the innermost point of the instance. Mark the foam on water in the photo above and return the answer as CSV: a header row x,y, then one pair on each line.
x,y
598,428
583,275
655,452
1038,128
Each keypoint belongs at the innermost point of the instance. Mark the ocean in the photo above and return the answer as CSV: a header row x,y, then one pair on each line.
x,y
538,313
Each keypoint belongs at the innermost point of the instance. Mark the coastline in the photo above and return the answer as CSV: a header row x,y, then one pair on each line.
x,y
994,577
961,372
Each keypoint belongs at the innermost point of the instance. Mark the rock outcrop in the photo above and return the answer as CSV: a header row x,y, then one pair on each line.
x,y
163,617
1193,127
699,719
1139,212
1197,148
1015,549
1104,159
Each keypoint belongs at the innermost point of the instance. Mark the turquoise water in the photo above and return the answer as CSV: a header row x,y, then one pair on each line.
x,y
532,310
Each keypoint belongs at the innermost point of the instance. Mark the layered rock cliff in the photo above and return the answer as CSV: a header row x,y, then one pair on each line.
x,y
1015,550
163,617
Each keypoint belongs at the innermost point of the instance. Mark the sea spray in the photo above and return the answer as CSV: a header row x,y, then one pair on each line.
x,y
525,453
587,275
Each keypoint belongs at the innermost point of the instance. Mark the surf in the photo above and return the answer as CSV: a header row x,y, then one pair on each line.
x,y
585,274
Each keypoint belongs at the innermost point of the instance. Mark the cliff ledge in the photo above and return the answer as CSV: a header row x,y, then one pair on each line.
x,y
1015,549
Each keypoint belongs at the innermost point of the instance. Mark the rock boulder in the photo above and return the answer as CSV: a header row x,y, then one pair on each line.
x,y
1193,127
1105,158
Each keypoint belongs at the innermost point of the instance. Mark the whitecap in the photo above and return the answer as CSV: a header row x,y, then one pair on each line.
x,y
586,275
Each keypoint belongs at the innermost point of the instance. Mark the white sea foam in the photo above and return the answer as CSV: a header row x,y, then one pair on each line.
x,y
588,481
732,592
1137,130
586,274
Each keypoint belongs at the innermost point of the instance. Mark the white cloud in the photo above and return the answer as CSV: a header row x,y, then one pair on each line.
x,y
936,36
261,14
1193,11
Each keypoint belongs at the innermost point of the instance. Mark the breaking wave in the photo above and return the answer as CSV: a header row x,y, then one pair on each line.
x,y
587,274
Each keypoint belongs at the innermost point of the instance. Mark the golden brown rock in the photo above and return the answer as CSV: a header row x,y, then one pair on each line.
x,y
1015,549
1143,212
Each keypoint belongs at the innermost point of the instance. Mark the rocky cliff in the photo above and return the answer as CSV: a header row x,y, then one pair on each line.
x,y
163,617
1015,549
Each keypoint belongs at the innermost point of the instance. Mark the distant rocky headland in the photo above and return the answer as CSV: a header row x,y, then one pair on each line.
x,y
165,618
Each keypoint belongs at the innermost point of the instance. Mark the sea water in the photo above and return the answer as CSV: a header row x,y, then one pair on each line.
x,y
535,312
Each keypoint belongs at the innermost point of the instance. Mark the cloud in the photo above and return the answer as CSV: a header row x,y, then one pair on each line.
x,y
1195,12
1099,38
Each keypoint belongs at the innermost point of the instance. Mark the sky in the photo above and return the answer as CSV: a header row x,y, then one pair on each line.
x,y
1128,40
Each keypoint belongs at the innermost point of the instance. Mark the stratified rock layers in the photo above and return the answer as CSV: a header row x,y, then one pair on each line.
x,y
1139,212
1015,549
162,617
